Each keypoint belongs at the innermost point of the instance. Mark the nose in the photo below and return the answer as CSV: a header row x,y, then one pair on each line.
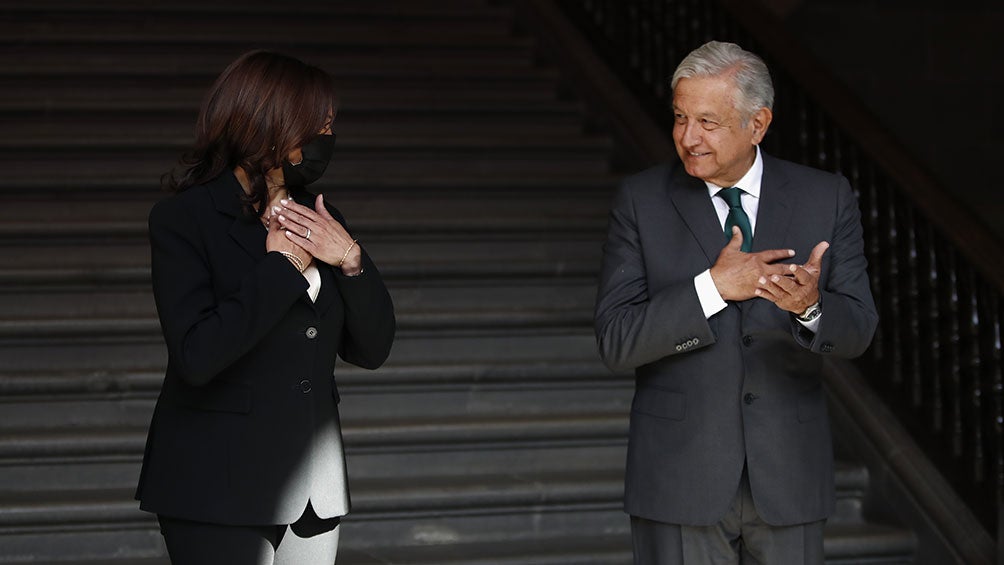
x,y
691,136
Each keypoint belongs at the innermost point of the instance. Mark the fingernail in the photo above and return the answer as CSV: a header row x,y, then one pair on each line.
x,y
762,280
775,278
275,209
792,268
282,218
791,253
757,292
284,202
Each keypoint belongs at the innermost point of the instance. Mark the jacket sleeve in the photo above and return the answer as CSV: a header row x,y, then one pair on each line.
x,y
849,316
369,312
204,333
633,325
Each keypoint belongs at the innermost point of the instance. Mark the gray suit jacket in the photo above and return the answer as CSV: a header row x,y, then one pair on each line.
x,y
744,385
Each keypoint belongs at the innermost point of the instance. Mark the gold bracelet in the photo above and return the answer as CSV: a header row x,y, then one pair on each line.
x,y
346,256
296,261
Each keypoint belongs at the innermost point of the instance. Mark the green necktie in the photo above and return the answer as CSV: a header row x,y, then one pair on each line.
x,y
737,216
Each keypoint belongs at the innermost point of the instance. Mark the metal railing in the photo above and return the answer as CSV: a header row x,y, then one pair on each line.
x,y
937,277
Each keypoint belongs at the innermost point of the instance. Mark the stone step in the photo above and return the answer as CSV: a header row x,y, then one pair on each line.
x,y
348,147
376,435
147,328
557,254
394,9
182,26
145,381
371,498
390,406
122,344
93,164
100,354
52,32
164,61
401,211
122,186
97,470
420,302
103,110
121,97
129,95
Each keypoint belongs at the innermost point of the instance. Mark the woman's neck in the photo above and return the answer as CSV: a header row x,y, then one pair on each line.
x,y
276,190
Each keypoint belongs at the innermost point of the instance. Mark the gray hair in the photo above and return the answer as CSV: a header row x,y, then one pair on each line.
x,y
754,89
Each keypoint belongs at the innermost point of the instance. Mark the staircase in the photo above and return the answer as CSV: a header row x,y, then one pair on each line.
x,y
492,435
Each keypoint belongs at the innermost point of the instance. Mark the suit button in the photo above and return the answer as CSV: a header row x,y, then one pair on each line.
x,y
747,340
311,332
305,386
749,398
679,347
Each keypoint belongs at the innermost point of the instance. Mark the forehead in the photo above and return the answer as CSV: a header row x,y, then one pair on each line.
x,y
704,96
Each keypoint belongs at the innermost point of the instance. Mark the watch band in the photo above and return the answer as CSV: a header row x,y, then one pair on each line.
x,y
811,313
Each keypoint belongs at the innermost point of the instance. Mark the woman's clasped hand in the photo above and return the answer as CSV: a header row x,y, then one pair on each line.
x,y
317,233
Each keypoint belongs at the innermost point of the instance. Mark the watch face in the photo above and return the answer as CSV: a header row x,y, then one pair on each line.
x,y
811,315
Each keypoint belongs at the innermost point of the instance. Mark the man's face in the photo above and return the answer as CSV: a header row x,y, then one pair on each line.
x,y
708,132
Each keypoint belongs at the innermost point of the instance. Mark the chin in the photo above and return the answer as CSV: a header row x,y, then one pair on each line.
x,y
693,170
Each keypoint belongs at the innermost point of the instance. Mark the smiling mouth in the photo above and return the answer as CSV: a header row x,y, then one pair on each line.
x,y
692,154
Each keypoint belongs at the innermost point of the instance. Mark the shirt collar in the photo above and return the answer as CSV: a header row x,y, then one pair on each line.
x,y
750,183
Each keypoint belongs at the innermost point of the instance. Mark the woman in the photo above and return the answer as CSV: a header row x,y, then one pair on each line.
x,y
258,286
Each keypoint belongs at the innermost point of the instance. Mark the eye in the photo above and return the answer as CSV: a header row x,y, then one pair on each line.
x,y
679,118
709,125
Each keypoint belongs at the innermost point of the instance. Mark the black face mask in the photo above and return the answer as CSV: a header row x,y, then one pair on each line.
x,y
316,154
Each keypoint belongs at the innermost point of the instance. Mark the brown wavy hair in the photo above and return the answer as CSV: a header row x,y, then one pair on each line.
x,y
262,106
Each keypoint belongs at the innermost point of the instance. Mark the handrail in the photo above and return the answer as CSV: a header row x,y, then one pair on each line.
x,y
900,461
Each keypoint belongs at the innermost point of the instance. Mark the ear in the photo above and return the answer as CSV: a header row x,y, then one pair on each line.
x,y
759,123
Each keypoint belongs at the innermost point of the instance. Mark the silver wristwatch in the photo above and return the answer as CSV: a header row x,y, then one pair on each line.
x,y
811,313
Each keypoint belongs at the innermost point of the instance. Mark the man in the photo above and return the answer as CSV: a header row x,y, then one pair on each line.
x,y
724,304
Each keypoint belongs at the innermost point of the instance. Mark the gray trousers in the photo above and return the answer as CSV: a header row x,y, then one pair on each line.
x,y
740,537
309,541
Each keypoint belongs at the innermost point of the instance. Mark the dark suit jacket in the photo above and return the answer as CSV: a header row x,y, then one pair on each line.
x,y
743,385
251,359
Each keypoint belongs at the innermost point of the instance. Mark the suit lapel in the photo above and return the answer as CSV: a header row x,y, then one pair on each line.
x,y
778,200
777,203
328,292
690,197
248,232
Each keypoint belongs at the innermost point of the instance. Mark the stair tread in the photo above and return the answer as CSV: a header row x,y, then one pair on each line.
x,y
59,142
122,183
385,8
145,380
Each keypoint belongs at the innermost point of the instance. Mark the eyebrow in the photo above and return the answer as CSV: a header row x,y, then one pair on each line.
x,y
709,115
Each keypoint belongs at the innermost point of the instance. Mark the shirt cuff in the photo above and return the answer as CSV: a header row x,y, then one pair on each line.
x,y
707,293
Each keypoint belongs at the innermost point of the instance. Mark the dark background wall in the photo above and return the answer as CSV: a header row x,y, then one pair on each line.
x,y
932,72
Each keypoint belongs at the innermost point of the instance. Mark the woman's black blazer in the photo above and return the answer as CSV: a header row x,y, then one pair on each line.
x,y
251,359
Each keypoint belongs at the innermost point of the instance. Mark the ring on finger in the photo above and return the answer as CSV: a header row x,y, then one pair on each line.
x,y
308,234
